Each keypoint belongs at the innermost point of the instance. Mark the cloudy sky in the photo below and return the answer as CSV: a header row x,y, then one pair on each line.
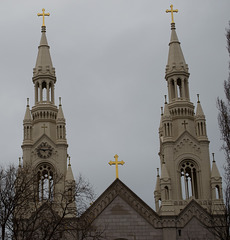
x,y
110,58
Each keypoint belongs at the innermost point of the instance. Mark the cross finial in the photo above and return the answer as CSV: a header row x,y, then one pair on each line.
x,y
165,99
213,157
116,162
20,163
172,11
43,14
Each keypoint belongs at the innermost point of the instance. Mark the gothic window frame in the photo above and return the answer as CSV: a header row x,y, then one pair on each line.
x,y
189,179
45,182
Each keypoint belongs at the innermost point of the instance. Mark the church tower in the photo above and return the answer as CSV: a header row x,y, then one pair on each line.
x,y
184,146
44,143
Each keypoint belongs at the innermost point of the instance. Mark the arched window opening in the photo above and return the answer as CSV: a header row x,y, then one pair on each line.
x,y
166,193
28,132
198,129
188,173
45,183
179,88
168,129
44,91
61,132
70,195
202,132
217,189
173,89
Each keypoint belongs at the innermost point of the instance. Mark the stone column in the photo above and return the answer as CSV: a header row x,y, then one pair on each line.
x,y
169,90
175,89
36,93
183,90
41,98
47,92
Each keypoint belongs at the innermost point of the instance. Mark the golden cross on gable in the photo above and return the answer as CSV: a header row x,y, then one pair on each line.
x,y
43,14
116,162
172,11
44,127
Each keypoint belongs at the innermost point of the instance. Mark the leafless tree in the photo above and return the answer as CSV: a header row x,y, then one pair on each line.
x,y
222,224
23,216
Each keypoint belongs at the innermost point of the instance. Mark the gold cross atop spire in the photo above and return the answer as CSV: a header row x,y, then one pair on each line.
x,y
43,14
172,11
116,162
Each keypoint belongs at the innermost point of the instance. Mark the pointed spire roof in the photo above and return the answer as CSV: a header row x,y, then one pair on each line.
x,y
27,117
166,110
199,110
176,61
60,115
69,174
44,63
215,172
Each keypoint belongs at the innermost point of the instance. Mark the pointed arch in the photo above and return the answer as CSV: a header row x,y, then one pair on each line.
x,y
189,179
45,182
44,91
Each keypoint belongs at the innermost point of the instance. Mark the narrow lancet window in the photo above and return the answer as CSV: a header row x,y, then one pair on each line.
x,y
45,183
188,174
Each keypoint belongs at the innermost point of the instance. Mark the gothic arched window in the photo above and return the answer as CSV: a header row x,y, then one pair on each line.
x,y
189,179
44,91
45,182
217,189
166,193
179,88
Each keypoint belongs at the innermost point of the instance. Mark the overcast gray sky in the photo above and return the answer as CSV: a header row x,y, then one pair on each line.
x,y
110,58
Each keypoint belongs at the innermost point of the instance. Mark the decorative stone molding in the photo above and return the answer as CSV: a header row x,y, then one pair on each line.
x,y
186,145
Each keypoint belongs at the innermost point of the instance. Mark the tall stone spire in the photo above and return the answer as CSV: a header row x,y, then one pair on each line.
x,y
44,63
184,145
176,72
176,62
27,126
45,144
27,117
44,77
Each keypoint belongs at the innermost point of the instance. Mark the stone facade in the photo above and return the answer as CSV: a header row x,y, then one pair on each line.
x,y
120,214
188,193
184,146
44,143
